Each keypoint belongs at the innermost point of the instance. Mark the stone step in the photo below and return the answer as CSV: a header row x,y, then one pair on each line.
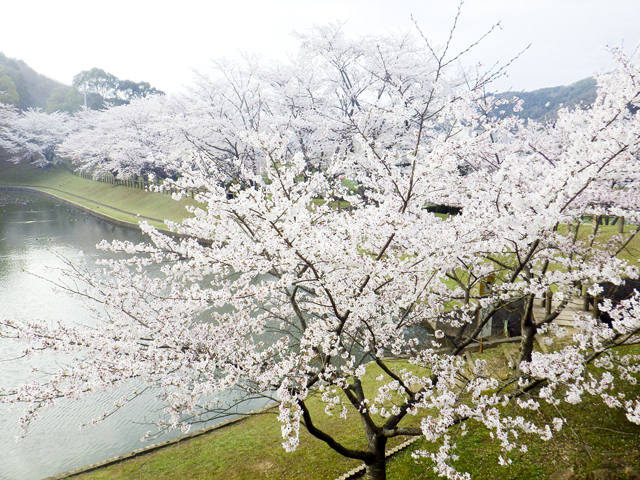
x,y
565,314
571,307
574,304
563,323
565,318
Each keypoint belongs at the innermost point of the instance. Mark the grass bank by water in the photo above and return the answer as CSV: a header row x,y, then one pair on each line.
x,y
119,202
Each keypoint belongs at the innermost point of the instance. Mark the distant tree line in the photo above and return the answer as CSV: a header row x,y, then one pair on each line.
x,y
100,88
24,88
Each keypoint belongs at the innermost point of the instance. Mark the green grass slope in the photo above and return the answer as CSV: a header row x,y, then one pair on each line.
x,y
119,202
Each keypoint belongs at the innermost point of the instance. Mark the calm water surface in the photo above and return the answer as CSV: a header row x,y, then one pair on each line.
x,y
36,234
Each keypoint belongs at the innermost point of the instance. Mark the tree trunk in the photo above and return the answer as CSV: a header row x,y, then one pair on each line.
x,y
529,330
377,470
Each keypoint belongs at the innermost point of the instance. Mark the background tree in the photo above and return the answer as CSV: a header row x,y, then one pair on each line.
x,y
103,88
129,90
11,69
65,99
34,136
95,81
8,92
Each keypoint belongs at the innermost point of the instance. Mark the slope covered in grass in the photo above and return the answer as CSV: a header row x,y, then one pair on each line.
x,y
116,201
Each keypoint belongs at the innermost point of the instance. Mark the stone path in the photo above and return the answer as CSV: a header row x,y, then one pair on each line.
x,y
575,305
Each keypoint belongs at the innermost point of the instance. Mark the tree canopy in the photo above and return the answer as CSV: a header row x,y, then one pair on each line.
x,y
33,135
315,255
64,99
8,91
102,88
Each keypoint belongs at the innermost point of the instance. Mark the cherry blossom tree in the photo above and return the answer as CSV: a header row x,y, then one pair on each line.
x,y
7,114
193,131
134,139
296,281
34,136
316,100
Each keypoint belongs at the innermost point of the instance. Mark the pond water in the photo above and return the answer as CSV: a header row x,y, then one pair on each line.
x,y
37,234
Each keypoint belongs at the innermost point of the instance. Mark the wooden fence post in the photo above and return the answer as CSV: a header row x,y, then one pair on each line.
x,y
549,297
585,298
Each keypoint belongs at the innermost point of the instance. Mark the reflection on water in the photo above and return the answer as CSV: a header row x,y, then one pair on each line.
x,y
36,235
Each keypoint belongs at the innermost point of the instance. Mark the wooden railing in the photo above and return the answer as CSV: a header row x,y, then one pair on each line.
x,y
139,182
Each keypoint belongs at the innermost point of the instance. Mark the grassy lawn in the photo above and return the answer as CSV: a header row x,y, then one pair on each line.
x,y
596,442
120,202
597,439
604,234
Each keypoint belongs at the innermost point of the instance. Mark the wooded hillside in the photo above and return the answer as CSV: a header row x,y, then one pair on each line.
x,y
543,104
24,87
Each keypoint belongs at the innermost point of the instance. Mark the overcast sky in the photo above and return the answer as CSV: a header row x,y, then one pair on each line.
x,y
161,42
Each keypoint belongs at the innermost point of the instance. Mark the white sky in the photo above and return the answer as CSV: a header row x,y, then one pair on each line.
x,y
161,42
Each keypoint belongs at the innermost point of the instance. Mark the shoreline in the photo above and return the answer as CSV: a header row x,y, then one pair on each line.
x,y
120,204
157,446
89,210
